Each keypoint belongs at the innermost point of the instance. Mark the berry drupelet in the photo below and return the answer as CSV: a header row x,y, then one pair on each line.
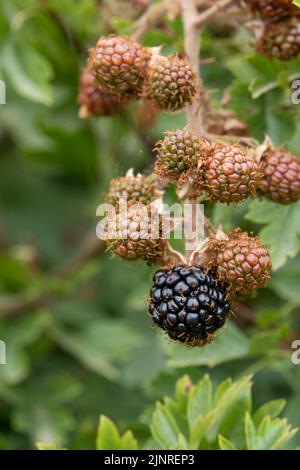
x,y
188,304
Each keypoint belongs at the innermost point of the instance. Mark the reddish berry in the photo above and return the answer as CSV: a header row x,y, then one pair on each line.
x,y
231,175
280,40
281,181
119,65
94,101
243,263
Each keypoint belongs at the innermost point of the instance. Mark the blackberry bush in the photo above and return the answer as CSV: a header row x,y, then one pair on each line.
x,y
211,159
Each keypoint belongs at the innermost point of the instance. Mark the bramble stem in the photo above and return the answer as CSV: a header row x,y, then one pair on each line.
x,y
192,50
204,17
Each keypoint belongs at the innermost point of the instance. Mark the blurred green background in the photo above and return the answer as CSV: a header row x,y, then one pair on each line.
x,y
88,346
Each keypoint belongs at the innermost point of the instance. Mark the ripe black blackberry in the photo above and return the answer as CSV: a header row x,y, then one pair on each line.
x,y
188,304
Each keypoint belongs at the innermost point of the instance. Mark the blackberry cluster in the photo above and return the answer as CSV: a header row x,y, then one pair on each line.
x,y
188,303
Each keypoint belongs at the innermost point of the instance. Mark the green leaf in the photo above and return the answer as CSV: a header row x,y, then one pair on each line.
x,y
45,446
232,404
273,434
18,336
250,433
128,441
200,429
237,401
28,71
283,242
272,408
164,427
200,400
94,345
108,437
222,389
225,444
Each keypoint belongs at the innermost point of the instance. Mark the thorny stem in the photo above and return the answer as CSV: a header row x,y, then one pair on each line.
x,y
192,50
204,17
193,111
29,301
149,19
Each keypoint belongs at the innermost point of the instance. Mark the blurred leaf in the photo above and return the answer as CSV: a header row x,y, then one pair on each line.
x,y
250,433
283,243
230,344
272,409
225,444
108,437
28,71
18,336
99,345
200,400
43,446
164,427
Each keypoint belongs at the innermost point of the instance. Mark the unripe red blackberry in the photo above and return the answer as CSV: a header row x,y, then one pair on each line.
x,y
94,101
119,65
172,83
281,181
242,263
272,8
188,304
280,40
136,235
179,152
231,175
138,188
